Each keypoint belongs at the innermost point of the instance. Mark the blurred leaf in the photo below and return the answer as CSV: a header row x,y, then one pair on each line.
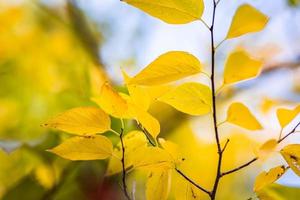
x,y
240,115
266,178
158,185
285,116
240,66
291,153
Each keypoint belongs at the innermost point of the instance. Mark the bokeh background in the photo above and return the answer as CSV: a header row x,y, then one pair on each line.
x,y
54,55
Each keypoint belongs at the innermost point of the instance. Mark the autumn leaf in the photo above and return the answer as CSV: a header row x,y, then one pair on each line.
x,y
190,98
240,115
168,67
266,178
285,116
84,148
240,66
247,19
171,11
153,158
81,121
111,102
291,154
266,149
158,185
133,142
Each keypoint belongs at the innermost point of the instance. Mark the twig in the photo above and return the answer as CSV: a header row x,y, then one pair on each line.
x,y
123,165
192,182
256,158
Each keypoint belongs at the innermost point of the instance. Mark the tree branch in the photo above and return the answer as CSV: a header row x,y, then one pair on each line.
x,y
123,166
256,158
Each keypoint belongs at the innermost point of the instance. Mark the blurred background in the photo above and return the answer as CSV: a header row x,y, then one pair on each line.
x,y
54,55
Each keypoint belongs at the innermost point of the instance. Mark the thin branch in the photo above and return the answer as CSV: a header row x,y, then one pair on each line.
x,y
146,133
224,148
294,130
239,168
220,152
192,182
204,23
123,165
290,133
218,45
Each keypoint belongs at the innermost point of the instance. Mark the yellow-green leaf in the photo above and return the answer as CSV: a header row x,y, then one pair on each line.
x,y
240,66
240,115
190,98
133,141
171,11
247,19
84,148
111,102
169,67
81,121
153,158
291,154
285,116
266,178
158,185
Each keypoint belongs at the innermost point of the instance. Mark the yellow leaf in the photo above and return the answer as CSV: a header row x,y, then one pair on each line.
x,y
150,123
81,121
186,191
247,19
158,185
240,66
170,147
111,102
240,115
153,158
285,116
291,154
84,148
169,67
171,11
266,178
190,98
133,141
45,176
267,148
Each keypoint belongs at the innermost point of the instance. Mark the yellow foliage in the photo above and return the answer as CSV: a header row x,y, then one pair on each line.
x,y
190,98
266,178
81,121
111,102
158,185
240,66
84,148
240,115
247,19
171,66
291,154
171,11
285,116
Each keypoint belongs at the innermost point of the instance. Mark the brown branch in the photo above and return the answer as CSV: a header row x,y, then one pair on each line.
x,y
192,182
123,165
220,151
256,158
